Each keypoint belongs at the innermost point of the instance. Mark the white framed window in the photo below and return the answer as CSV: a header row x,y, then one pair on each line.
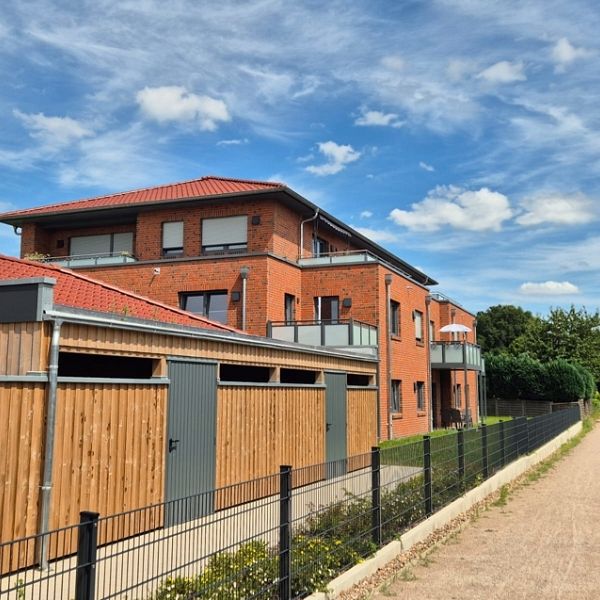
x,y
172,238
327,308
225,234
396,397
418,318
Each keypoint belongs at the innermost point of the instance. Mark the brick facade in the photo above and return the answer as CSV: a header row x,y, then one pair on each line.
x,y
271,255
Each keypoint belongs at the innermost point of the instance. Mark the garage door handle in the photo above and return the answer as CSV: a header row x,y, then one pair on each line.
x,y
327,426
173,444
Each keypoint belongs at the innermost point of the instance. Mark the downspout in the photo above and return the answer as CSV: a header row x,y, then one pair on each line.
x,y
428,342
388,353
301,255
46,488
244,271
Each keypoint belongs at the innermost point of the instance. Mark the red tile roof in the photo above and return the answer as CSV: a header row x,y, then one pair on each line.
x,y
185,190
79,291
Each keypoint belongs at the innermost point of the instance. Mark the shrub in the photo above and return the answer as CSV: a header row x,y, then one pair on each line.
x,y
564,383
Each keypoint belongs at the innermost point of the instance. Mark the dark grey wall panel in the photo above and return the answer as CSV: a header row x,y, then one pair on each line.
x,y
336,426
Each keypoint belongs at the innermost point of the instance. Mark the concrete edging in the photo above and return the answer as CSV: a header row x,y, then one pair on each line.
x,y
441,518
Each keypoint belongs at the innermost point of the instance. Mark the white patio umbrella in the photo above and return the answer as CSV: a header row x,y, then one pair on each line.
x,y
455,328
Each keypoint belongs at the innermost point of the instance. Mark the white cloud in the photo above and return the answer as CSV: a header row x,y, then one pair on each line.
x,y
53,131
564,53
557,210
378,235
175,103
366,214
503,72
378,118
452,206
337,155
235,142
549,288
426,167
458,69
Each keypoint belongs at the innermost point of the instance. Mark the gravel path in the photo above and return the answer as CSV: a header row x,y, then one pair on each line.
x,y
544,543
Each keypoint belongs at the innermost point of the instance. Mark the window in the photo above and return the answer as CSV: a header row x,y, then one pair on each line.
x,y
358,380
72,364
297,376
431,331
244,373
108,243
457,395
327,308
320,247
394,317
225,234
418,317
420,395
289,308
209,304
396,398
172,238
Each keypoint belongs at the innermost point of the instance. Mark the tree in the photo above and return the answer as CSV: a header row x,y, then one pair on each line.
x,y
499,326
563,334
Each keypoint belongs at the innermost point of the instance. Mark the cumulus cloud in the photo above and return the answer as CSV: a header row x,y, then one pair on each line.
x,y
426,167
378,118
337,155
366,214
503,72
378,235
53,131
564,53
452,206
556,210
549,288
174,103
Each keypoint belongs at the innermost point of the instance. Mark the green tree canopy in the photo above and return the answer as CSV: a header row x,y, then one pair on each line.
x,y
499,326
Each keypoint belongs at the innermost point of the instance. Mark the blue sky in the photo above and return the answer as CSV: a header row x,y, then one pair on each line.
x,y
460,134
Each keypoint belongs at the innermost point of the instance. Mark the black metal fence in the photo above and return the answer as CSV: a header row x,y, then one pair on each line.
x,y
277,537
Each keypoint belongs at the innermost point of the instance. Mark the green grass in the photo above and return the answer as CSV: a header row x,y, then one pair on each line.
x,y
494,420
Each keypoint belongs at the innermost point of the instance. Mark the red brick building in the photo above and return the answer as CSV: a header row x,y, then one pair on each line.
x,y
258,256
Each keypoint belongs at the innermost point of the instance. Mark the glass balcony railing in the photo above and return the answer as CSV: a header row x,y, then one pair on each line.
x,y
92,260
338,333
456,355
339,258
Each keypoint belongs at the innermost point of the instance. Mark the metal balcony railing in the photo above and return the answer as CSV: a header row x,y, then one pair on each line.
x,y
339,258
336,333
456,355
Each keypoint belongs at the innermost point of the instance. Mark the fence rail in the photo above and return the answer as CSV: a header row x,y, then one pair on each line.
x,y
304,527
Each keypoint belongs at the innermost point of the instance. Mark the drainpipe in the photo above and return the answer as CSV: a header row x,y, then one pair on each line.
x,y
244,271
46,488
388,353
302,231
428,342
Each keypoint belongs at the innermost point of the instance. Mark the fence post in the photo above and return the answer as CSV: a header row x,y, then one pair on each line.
x,y
484,451
376,495
87,545
502,445
285,517
460,442
427,475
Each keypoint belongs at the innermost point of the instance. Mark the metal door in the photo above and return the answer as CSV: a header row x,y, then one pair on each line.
x,y
336,430
191,438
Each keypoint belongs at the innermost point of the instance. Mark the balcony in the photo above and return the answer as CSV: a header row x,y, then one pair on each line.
x,y
350,334
456,355
91,260
339,258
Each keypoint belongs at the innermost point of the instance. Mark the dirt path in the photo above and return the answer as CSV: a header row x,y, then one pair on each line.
x,y
544,543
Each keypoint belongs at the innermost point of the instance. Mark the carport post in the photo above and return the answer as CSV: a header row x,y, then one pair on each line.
x,y
285,527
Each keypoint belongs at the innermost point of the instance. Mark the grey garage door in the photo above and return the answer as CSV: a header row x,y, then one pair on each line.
x,y
191,440
335,440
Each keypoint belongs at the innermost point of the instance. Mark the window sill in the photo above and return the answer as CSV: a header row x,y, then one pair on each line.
x,y
396,337
396,416
421,413
420,343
